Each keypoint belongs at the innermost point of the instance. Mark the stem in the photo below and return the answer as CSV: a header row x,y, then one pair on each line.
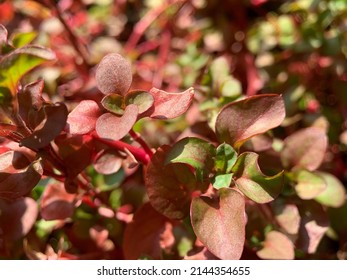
x,y
137,137
140,154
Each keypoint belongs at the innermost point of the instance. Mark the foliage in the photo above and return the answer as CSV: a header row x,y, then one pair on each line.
x,y
173,129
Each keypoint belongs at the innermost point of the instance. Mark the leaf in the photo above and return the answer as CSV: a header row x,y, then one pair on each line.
x,y
287,215
170,105
7,129
225,158
241,120
142,236
55,117
112,127
309,185
56,203
169,186
108,162
252,182
277,246
16,64
15,183
222,181
21,39
339,225
305,149
113,103
143,99
220,223
17,218
83,117
196,152
113,74
334,194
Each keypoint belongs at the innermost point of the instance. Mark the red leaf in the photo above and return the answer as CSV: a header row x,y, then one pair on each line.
x,y
108,162
220,224
114,74
56,203
277,246
17,218
7,129
113,127
305,149
170,105
241,120
142,236
169,187
83,118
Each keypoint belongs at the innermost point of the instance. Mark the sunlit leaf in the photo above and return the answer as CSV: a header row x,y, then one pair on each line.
x,y
143,99
240,120
21,39
170,105
252,182
309,185
334,194
83,117
225,158
113,127
222,181
219,223
305,149
277,246
193,151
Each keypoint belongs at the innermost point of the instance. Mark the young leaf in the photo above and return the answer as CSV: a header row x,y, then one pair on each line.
x,y
83,117
305,149
112,127
193,151
143,99
277,246
16,64
309,185
17,218
142,236
220,223
53,122
21,39
56,203
114,74
287,215
15,183
241,120
225,158
170,105
113,103
222,181
252,182
334,194
169,186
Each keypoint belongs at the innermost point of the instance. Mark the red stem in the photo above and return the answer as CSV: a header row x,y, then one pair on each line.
x,y
137,137
140,154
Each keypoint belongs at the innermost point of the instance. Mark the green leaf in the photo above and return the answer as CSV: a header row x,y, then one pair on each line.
x,y
16,64
334,194
21,39
143,99
309,184
241,120
252,182
220,223
196,152
222,181
113,103
225,158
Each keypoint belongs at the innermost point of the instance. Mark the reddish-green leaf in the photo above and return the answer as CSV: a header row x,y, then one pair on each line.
x,y
143,99
196,152
113,127
56,203
114,103
287,215
277,246
305,149
15,183
143,235
252,182
170,105
334,194
82,118
169,186
114,74
108,162
309,185
53,122
17,218
219,223
240,120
